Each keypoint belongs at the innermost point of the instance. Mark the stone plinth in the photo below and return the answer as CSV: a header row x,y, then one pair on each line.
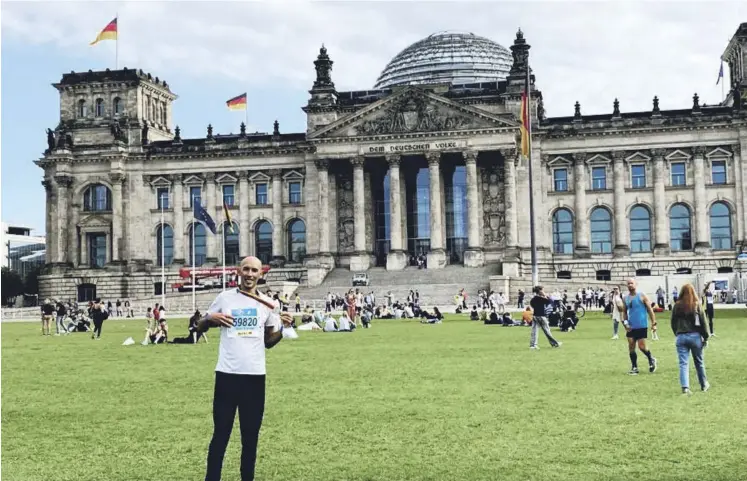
x,y
396,260
472,258
360,262
437,259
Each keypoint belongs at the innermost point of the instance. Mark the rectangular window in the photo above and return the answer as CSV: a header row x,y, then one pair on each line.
x,y
195,196
599,178
294,192
678,174
718,172
162,196
261,197
560,179
228,196
638,176
96,250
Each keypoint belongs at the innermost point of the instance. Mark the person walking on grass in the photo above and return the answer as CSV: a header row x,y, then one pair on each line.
x,y
617,311
636,312
708,296
692,333
248,325
542,307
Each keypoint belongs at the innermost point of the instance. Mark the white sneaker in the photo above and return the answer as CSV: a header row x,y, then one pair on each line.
x,y
615,337
558,344
706,387
534,348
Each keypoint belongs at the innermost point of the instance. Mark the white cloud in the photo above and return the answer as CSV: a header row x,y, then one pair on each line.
x,y
590,52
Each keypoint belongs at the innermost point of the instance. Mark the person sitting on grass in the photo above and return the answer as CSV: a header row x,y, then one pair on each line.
x,y
526,316
346,324
569,321
330,325
366,317
508,321
159,335
435,318
473,314
194,332
307,316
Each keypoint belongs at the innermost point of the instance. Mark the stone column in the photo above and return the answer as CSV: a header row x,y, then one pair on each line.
x,y
396,259
741,165
661,220
244,214
50,225
473,256
582,221
214,248
437,254
622,246
178,227
63,210
117,178
278,258
72,234
512,206
322,167
739,209
312,202
702,239
360,261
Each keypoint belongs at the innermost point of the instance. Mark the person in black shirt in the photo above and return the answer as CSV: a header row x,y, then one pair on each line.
x,y
47,316
61,314
542,307
99,314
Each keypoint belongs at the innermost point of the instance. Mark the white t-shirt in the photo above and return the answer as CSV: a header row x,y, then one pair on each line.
x,y
617,303
242,347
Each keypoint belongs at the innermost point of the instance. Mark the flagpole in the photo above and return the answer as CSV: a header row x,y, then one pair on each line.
x,y
532,236
193,261
163,261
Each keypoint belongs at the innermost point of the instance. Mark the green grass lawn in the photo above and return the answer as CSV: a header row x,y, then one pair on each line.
x,y
401,401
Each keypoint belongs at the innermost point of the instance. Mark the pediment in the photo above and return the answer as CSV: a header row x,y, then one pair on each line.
x,y
409,111
559,161
292,175
193,180
226,179
677,156
94,220
718,152
637,157
160,181
259,177
599,159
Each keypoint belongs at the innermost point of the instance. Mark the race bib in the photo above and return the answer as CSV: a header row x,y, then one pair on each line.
x,y
245,323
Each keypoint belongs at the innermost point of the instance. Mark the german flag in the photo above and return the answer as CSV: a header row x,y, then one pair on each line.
x,y
227,215
237,103
108,33
525,122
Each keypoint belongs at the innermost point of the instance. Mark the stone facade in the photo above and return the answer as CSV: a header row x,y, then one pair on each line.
x,y
383,175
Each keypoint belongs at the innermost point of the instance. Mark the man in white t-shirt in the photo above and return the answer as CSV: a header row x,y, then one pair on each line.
x,y
617,311
248,325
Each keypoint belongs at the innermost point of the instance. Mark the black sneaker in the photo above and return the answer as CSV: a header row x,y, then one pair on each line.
x,y
652,365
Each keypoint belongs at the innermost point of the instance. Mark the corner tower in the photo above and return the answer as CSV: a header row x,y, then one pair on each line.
x,y
127,106
735,56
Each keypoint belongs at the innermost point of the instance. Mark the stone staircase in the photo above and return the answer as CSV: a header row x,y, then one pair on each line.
x,y
436,287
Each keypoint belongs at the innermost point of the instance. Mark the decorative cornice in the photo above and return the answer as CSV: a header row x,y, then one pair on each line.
x,y
242,174
658,154
580,157
275,173
699,151
470,156
210,176
64,181
618,155
434,158
116,177
358,161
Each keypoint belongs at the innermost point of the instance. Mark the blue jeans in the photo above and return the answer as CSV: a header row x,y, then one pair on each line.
x,y
687,343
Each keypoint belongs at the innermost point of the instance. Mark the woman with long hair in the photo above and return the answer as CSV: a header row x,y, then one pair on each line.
x,y
689,325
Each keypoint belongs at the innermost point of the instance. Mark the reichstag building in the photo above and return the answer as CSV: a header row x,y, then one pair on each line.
x,y
423,163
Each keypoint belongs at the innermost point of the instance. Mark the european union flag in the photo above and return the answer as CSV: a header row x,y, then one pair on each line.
x,y
202,215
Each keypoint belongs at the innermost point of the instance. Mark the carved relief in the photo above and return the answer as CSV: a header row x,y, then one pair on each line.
x,y
414,113
345,214
494,205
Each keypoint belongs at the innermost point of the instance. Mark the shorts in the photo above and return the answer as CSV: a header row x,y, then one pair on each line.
x,y
48,317
636,334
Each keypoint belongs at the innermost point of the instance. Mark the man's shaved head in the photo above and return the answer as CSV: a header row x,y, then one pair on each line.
x,y
250,271
251,260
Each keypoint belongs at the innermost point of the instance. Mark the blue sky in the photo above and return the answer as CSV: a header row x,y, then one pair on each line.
x,y
210,52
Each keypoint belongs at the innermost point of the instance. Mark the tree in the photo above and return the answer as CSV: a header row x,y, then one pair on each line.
x,y
31,283
12,285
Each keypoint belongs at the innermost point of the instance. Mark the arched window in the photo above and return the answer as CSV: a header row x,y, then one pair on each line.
x,y
562,232
97,198
680,233
720,226
296,240
117,106
640,229
263,241
165,238
99,107
82,109
200,244
163,114
601,231
231,243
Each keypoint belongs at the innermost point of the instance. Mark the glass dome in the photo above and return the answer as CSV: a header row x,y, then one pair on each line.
x,y
447,57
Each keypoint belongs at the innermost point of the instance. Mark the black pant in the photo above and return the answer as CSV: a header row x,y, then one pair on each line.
x,y
247,393
709,313
97,327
